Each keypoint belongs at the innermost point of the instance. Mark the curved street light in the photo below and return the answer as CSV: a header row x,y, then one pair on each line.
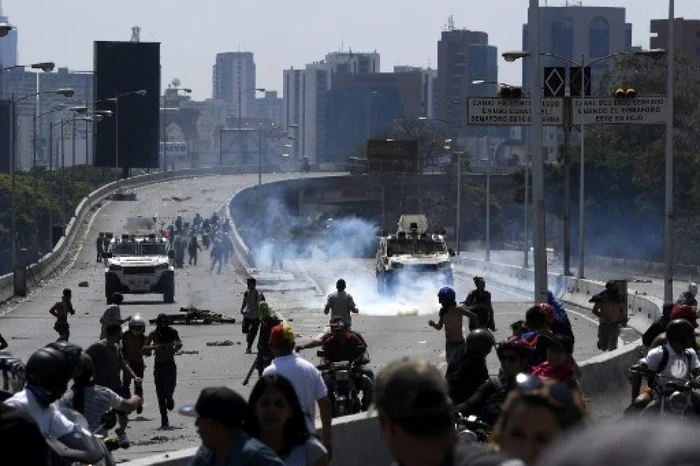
x,y
174,90
115,99
516,55
5,29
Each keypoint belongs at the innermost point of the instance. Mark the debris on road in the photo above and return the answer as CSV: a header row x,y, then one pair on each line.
x,y
123,196
221,343
642,280
194,316
83,284
180,199
180,353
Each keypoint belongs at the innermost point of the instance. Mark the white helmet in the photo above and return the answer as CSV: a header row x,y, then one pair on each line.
x,y
137,322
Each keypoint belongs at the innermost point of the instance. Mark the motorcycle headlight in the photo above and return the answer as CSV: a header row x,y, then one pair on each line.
x,y
678,401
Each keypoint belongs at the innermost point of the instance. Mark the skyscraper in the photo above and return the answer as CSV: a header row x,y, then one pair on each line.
x,y
8,44
233,81
463,57
687,37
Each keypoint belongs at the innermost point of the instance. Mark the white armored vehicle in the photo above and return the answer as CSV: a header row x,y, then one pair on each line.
x,y
139,264
413,256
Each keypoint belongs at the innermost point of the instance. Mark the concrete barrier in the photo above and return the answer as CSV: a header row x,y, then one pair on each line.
x,y
357,441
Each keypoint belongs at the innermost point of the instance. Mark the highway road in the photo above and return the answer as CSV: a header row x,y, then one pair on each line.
x,y
392,328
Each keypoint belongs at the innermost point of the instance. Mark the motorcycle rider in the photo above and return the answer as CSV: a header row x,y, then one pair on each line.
x,y
486,402
344,345
536,334
659,325
479,302
678,312
340,303
48,372
467,373
676,359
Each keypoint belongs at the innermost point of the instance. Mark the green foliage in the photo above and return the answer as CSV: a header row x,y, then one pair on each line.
x,y
40,195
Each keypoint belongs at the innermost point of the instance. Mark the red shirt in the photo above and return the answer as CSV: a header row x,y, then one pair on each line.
x,y
348,350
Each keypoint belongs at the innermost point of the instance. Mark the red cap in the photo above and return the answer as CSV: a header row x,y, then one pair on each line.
x,y
281,335
684,312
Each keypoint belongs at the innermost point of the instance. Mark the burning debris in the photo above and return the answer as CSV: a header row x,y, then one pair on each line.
x,y
194,316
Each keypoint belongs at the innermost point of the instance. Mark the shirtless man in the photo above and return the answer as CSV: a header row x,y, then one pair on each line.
x,y
60,311
451,318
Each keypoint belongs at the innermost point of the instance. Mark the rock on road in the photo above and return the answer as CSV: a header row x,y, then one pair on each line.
x,y
27,325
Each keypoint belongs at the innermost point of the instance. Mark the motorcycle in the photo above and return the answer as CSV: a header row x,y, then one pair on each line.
x,y
342,378
672,395
80,447
471,429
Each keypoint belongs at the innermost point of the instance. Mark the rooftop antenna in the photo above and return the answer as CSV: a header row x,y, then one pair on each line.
x,y
450,23
135,34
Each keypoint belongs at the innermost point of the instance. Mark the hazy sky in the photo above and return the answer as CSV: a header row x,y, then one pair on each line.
x,y
282,33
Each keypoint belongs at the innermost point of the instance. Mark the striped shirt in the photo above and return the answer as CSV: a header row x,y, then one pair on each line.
x,y
98,401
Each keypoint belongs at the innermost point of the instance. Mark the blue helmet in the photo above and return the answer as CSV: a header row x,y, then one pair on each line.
x,y
447,295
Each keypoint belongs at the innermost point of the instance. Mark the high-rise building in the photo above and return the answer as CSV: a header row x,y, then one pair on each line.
x,y
365,106
233,81
577,32
305,93
464,57
581,31
429,87
8,44
687,40
270,108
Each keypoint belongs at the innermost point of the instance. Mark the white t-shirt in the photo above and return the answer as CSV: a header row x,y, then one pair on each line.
x,y
306,454
677,365
51,422
98,401
306,380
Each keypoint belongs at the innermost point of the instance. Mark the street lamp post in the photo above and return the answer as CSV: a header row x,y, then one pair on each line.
x,y
115,99
240,111
66,92
668,217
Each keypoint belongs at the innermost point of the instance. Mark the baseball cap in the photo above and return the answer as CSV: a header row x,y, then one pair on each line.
x,y
562,341
220,404
658,441
410,389
281,335
684,312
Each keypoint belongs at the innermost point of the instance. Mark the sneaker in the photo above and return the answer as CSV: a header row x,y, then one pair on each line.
x,y
123,440
139,410
170,404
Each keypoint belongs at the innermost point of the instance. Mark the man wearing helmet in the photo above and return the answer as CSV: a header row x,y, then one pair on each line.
x,y
513,355
466,373
48,372
676,360
133,342
451,319
340,303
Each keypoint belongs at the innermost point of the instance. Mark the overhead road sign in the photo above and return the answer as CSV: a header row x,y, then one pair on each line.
x,y
513,112
554,81
649,110
392,157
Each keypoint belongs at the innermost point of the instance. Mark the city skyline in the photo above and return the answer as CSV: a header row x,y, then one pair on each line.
x,y
282,35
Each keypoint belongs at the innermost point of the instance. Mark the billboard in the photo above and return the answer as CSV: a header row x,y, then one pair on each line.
x,y
130,137
389,157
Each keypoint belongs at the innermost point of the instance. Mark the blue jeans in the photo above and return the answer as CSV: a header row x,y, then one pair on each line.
x,y
454,350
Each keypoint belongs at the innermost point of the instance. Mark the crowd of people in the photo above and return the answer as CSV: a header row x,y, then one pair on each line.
x,y
528,410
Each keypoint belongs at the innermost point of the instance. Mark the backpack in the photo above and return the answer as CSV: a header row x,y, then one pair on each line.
x,y
664,360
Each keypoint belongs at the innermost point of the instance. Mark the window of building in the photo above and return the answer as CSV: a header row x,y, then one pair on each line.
x,y
563,37
599,37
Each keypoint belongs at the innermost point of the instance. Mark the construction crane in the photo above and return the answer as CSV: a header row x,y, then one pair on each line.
x,y
135,34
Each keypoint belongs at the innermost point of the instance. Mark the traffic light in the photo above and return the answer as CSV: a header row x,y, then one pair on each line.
x,y
624,93
510,92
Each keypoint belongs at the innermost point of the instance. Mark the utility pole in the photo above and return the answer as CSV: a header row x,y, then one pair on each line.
x,y
567,187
